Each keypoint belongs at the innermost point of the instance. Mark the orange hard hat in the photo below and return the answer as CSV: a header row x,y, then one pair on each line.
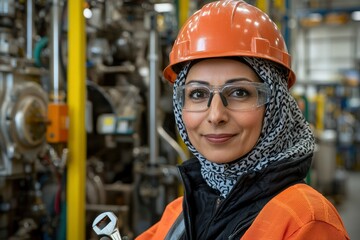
x,y
228,28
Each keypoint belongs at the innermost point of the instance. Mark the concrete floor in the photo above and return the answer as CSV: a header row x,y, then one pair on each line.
x,y
349,208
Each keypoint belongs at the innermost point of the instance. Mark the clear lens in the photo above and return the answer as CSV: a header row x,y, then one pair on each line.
x,y
241,96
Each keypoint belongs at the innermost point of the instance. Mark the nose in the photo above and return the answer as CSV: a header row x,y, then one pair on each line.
x,y
217,112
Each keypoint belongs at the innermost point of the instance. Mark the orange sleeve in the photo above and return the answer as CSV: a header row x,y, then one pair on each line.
x,y
317,230
297,213
161,228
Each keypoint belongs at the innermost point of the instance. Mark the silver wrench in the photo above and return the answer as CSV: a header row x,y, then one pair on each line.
x,y
105,224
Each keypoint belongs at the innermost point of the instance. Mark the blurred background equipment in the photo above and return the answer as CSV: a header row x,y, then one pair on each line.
x,y
131,141
132,146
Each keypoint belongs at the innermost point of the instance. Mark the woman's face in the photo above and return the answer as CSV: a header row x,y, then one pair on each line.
x,y
220,134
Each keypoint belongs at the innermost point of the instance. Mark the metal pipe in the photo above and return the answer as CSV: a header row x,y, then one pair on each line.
x,y
55,52
29,28
7,8
172,143
76,98
154,89
116,69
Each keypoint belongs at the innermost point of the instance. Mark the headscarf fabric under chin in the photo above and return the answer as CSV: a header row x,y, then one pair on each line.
x,y
285,134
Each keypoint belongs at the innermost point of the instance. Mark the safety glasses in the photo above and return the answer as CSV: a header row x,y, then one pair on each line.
x,y
238,96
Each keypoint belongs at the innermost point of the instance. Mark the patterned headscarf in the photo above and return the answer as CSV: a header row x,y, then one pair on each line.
x,y
285,133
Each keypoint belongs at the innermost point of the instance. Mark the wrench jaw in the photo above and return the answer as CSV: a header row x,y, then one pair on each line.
x,y
105,224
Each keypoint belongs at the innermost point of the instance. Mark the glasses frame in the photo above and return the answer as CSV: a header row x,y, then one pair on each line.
x,y
213,89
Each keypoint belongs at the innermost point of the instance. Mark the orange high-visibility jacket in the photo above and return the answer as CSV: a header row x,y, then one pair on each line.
x,y
297,213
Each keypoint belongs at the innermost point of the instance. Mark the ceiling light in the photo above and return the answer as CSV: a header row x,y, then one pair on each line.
x,y
164,7
355,15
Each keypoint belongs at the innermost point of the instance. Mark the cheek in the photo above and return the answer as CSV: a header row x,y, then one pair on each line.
x,y
191,124
254,121
191,120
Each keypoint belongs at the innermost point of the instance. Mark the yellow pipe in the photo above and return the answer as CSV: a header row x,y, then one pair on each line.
x,y
183,11
320,111
280,5
76,167
263,5
184,6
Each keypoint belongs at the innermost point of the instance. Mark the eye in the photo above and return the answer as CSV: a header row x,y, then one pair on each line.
x,y
197,93
240,93
237,91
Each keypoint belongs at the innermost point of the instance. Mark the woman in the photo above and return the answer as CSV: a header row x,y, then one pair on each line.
x,y
251,144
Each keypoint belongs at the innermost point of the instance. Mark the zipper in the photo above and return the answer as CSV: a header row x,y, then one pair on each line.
x,y
217,204
243,226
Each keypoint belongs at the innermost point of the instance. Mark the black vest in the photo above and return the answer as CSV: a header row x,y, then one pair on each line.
x,y
206,216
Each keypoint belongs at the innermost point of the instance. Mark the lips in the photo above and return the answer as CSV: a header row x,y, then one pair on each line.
x,y
218,138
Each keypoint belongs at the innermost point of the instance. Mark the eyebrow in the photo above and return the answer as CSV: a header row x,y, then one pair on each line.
x,y
226,82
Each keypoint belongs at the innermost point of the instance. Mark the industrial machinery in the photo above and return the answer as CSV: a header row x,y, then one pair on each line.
x,y
131,151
